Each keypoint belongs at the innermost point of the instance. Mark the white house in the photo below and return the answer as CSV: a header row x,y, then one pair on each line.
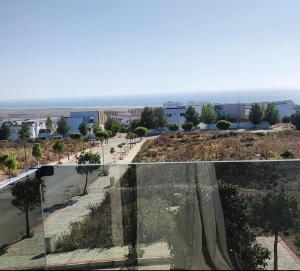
x,y
34,127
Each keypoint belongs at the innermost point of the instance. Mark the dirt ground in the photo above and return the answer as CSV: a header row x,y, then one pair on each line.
x,y
217,145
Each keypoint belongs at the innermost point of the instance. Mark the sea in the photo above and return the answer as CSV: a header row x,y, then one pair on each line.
x,y
249,96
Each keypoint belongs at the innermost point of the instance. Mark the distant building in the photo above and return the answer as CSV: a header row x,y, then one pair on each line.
x,y
89,117
124,116
175,113
34,127
235,112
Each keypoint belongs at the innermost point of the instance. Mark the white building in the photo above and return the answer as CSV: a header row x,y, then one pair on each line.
x,y
89,117
34,127
175,113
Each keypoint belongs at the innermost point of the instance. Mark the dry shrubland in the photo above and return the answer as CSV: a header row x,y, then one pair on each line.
x,y
216,145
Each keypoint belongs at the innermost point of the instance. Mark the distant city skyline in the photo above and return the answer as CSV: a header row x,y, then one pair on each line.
x,y
63,48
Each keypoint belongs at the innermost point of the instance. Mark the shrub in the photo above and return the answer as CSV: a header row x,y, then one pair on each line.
x,y
286,119
286,154
260,133
75,136
187,126
223,124
141,131
173,127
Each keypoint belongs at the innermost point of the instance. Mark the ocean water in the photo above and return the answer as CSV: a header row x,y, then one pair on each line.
x,y
154,100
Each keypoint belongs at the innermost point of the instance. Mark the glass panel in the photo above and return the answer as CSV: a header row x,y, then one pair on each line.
x,y
21,225
199,215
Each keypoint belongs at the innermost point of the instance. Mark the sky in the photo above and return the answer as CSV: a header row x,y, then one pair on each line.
x,y
72,48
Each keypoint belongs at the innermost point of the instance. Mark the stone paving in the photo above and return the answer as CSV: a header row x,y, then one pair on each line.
x,y
287,260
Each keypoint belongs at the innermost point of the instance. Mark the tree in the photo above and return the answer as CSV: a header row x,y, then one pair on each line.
x,y
256,114
112,152
275,212
62,127
102,135
141,131
271,114
295,119
11,164
223,124
134,124
96,127
208,115
49,124
37,152
83,128
24,132
147,118
173,127
159,119
88,162
24,135
4,131
58,148
187,126
113,126
243,248
27,197
286,119
191,115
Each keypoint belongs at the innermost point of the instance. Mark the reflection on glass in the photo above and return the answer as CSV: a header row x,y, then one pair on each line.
x,y
207,215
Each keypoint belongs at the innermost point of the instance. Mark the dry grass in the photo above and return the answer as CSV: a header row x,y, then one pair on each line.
x,y
16,149
216,145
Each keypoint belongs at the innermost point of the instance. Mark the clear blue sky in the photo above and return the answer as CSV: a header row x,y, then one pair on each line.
x,y
74,48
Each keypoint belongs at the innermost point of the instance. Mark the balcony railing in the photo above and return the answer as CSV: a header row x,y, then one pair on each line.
x,y
198,215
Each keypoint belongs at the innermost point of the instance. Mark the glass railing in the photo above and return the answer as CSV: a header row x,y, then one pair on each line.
x,y
198,215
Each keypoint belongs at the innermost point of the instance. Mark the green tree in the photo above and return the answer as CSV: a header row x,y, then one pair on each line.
x,y
271,114
191,115
134,124
159,118
37,152
62,127
187,126
140,132
102,135
58,148
275,212
208,115
96,127
11,164
49,124
295,119
223,124
83,128
147,118
256,114
27,197
113,126
173,127
87,164
243,248
24,135
286,119
4,131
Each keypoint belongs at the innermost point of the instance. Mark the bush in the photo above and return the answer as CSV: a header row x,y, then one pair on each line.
x,y
187,126
260,133
286,119
141,131
287,154
173,127
75,136
223,124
